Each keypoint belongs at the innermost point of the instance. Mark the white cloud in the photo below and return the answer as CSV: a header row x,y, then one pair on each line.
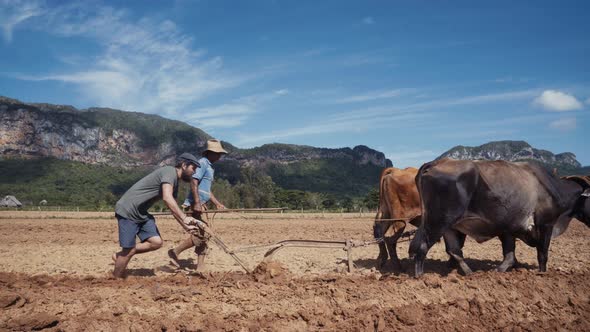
x,y
588,101
353,122
494,97
564,124
223,116
14,12
144,65
511,79
282,92
420,114
369,20
436,104
554,100
373,95
372,118
231,114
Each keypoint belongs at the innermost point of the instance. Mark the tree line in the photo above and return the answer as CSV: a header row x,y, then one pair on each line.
x,y
98,187
255,189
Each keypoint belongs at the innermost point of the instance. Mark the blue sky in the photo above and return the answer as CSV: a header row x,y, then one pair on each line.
x,y
408,78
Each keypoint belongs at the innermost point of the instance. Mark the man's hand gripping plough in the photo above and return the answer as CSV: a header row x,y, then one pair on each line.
x,y
193,225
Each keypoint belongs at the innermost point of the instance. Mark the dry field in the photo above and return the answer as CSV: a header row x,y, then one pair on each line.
x,y
55,275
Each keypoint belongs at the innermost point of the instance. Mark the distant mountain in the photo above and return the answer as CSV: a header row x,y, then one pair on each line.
x,y
114,138
566,162
94,135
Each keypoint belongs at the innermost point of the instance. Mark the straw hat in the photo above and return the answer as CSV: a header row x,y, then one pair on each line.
x,y
214,145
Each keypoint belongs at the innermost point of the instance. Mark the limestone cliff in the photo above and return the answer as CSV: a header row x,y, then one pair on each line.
x,y
514,151
127,139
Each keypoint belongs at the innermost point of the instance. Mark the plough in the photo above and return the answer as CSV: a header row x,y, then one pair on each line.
x,y
226,211
346,245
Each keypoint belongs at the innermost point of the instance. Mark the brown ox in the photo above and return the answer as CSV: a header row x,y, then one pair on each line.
x,y
399,202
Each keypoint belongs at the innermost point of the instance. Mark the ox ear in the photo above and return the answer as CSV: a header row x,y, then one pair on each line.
x,y
586,193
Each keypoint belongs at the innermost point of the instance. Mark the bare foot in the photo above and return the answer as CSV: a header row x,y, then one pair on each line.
x,y
173,258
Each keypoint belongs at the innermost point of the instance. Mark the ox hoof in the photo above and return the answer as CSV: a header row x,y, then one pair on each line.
x,y
381,262
466,270
505,267
418,271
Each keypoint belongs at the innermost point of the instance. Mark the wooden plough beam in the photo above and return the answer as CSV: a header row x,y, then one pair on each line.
x,y
225,211
346,245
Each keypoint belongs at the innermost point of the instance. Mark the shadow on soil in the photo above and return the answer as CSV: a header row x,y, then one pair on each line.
x,y
442,268
141,272
188,264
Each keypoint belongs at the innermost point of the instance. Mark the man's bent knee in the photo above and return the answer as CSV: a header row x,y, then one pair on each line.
x,y
155,242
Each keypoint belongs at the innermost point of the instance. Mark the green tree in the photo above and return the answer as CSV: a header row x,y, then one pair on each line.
x,y
293,199
348,204
256,189
371,200
315,200
226,193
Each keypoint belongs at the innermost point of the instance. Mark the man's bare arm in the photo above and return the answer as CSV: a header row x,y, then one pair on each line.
x,y
168,198
196,199
217,203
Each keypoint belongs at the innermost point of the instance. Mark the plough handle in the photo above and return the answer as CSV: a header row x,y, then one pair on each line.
x,y
223,247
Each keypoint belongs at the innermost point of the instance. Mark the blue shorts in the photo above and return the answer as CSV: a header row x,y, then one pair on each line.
x,y
129,229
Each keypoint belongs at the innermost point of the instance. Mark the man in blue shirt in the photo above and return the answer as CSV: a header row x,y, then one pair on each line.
x,y
199,195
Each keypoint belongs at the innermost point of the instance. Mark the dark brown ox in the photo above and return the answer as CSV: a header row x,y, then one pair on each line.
x,y
486,199
399,203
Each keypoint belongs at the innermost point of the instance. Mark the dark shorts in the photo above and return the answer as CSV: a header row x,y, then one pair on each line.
x,y
129,229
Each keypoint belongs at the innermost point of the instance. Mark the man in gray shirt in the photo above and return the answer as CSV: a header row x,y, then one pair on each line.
x,y
132,210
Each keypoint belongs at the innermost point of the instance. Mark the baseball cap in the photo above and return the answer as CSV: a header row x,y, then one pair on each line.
x,y
188,158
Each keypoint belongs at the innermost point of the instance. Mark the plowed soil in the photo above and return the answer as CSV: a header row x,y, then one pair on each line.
x,y
55,275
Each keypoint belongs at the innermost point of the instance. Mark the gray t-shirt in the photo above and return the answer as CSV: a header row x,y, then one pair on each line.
x,y
141,196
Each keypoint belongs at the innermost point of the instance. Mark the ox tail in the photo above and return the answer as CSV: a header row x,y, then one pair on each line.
x,y
384,173
422,170
378,231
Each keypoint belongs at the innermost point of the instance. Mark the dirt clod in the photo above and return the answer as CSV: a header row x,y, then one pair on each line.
x,y
409,315
33,322
270,270
8,299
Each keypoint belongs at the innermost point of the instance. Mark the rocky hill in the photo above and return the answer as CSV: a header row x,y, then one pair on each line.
x,y
94,136
127,139
566,162
114,138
